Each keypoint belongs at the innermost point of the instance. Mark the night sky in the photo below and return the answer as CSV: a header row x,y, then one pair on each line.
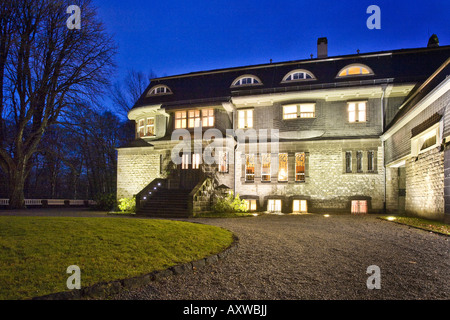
x,y
175,37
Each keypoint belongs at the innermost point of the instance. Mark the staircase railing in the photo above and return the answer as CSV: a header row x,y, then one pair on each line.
x,y
200,197
148,191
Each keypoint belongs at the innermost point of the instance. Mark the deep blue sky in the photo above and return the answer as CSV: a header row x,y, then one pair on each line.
x,y
179,36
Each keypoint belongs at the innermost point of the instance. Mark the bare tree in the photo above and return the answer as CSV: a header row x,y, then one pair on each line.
x,y
125,94
49,69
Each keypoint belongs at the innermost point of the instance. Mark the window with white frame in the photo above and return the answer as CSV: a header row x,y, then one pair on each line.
x,y
300,167
355,70
150,128
299,206
207,117
245,119
274,205
303,110
180,119
141,128
250,204
357,111
194,118
223,161
246,80
298,75
282,167
249,167
265,166
185,161
158,90
196,160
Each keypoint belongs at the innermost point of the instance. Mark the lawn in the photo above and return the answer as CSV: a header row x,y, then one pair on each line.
x,y
424,224
36,251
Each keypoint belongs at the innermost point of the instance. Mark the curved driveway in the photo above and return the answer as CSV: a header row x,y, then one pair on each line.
x,y
313,257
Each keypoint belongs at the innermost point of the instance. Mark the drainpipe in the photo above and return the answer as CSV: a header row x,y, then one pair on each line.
x,y
383,87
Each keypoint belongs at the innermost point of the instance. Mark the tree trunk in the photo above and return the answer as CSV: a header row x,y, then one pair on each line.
x,y
17,182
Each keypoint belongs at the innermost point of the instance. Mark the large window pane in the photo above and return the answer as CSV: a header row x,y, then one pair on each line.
x,y
282,167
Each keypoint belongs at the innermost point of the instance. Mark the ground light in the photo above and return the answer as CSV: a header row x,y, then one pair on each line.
x,y
326,215
391,218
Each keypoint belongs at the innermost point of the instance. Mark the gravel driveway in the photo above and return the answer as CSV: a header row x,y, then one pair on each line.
x,y
313,257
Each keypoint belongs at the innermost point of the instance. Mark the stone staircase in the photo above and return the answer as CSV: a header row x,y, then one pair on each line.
x,y
166,203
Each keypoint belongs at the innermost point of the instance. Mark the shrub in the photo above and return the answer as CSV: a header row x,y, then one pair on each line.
x,y
127,205
105,202
229,204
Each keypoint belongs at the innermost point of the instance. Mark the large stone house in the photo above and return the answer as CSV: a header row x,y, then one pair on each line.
x,y
360,133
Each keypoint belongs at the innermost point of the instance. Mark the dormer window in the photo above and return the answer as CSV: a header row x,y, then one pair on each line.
x,y
298,75
355,70
159,90
246,80
146,127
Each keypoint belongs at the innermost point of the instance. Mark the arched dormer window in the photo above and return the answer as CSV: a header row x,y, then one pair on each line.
x,y
159,89
298,75
355,70
246,80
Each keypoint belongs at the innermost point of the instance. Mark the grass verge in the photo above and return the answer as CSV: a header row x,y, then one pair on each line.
x,y
429,225
36,251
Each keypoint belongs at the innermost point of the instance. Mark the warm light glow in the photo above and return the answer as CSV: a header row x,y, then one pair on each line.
x,y
255,214
326,215
391,218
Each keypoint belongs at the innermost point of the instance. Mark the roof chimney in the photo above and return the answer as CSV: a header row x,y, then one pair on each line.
x,y
433,41
322,47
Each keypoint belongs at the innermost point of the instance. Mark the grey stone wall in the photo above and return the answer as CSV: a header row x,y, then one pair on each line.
x,y
425,185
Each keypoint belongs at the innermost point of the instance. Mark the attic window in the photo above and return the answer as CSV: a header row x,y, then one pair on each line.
x,y
298,75
355,70
159,90
246,80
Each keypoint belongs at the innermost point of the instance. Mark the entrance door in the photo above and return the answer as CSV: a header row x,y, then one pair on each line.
x,y
190,173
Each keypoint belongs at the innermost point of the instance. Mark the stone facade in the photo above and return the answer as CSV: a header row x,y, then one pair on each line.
x,y
327,186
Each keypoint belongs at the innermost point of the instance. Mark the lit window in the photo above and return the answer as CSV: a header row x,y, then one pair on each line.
x,y
196,158
299,206
250,204
298,75
348,162
223,162
150,130
158,90
304,110
357,111
359,161
282,167
274,205
185,161
194,118
249,167
246,80
370,161
290,112
300,167
265,167
359,206
141,128
356,69
208,117
245,119
180,119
